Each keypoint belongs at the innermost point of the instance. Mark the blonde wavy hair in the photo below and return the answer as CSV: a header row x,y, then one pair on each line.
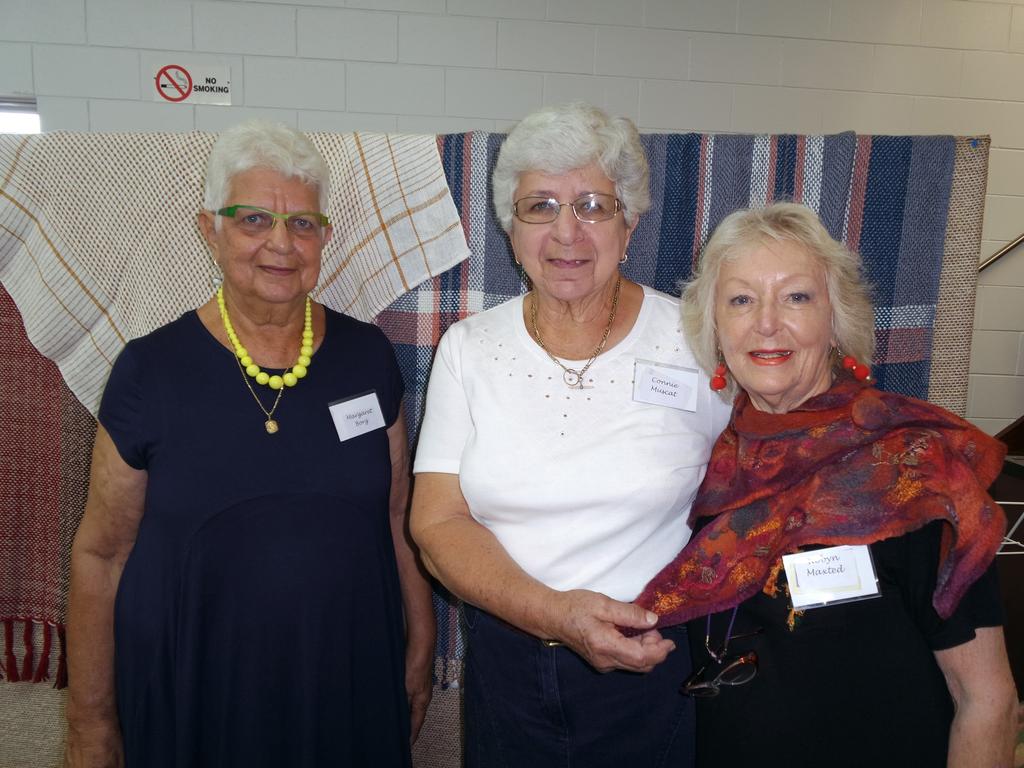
x,y
853,317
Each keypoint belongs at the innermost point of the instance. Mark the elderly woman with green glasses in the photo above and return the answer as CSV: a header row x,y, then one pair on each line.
x,y
566,432
241,575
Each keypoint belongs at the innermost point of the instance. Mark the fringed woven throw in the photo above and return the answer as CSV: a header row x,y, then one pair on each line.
x,y
44,477
99,243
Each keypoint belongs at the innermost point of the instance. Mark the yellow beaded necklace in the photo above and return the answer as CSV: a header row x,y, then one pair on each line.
x,y
250,370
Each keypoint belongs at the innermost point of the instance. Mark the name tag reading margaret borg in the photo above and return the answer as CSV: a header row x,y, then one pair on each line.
x,y
830,575
356,415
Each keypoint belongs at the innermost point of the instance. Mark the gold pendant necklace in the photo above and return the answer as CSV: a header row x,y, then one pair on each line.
x,y
574,378
249,369
270,424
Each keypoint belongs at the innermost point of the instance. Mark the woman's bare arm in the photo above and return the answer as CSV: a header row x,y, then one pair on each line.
x,y
469,561
417,595
104,539
984,728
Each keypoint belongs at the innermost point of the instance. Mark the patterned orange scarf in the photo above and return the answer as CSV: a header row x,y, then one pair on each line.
x,y
851,466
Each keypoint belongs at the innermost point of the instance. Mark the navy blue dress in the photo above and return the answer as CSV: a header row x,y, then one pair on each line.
x,y
258,620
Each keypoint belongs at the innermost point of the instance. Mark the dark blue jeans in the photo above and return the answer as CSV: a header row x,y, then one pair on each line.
x,y
531,706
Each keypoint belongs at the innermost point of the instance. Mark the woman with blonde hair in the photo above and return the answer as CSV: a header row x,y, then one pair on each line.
x,y
840,583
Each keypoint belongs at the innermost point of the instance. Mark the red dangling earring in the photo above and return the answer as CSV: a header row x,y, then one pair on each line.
x,y
860,371
718,382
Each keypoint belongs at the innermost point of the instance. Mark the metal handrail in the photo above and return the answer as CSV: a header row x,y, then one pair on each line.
x,y
1001,252
1010,545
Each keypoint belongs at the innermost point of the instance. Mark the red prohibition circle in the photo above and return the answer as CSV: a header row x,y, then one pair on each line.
x,y
168,83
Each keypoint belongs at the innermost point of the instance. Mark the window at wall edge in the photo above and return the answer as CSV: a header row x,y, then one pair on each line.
x,y
18,115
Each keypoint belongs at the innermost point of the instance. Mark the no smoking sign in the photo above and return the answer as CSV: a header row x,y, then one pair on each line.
x,y
174,83
178,83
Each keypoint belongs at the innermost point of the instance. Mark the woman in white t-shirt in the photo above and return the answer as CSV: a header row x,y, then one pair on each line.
x,y
566,433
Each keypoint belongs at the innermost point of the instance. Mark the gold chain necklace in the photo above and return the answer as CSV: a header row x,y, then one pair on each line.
x,y
574,378
270,424
249,368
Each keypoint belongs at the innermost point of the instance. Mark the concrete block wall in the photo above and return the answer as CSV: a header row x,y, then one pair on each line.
x,y
809,66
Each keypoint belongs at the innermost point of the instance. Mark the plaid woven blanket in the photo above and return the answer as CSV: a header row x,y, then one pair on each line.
x,y
911,206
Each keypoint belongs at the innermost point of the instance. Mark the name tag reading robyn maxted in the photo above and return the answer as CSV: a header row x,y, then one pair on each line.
x,y
830,575
661,384
356,415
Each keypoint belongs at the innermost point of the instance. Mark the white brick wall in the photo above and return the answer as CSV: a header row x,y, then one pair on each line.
x,y
635,52
1004,219
16,69
492,93
993,75
43,21
1006,169
444,40
958,24
542,46
95,72
875,66
777,110
719,58
68,114
395,88
923,71
499,9
827,64
593,11
700,15
332,33
897,22
296,83
665,104
218,118
879,113
1017,30
264,30
128,25
618,95
124,115
788,18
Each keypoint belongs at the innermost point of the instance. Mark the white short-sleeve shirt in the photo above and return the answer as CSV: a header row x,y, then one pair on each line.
x,y
584,488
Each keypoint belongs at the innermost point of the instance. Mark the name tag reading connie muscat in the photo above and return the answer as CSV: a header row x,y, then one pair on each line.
x,y
357,415
830,575
661,384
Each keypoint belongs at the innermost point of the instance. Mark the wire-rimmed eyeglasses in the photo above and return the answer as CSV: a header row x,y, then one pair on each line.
x,y
721,669
590,208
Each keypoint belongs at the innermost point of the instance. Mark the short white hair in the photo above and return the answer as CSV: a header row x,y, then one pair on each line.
x,y
558,139
262,144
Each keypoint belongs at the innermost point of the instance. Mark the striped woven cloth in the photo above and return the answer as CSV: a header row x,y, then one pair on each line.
x,y
910,205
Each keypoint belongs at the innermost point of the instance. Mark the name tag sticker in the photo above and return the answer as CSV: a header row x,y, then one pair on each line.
x,y
662,384
356,415
831,575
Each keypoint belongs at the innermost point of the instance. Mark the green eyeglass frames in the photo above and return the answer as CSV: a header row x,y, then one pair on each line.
x,y
259,221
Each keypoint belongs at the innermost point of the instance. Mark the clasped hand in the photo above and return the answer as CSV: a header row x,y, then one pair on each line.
x,y
588,623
